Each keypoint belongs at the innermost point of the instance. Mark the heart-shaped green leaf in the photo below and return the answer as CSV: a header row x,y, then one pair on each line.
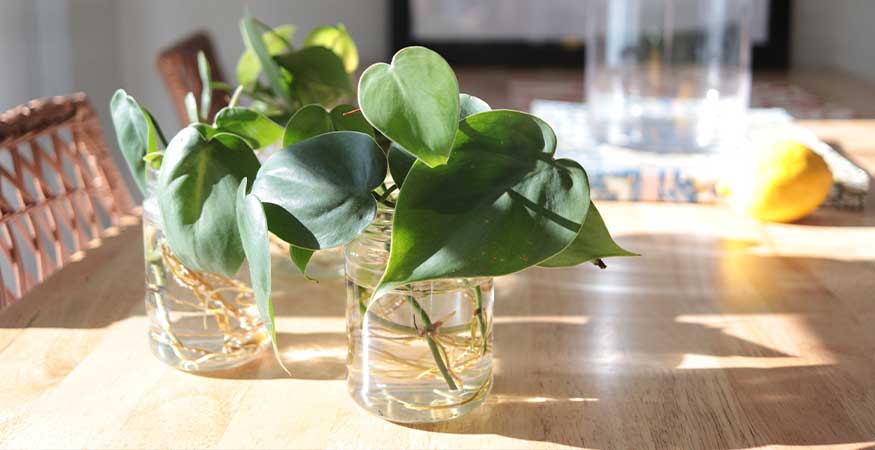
x,y
414,102
593,241
197,187
470,105
313,120
252,226
400,161
309,121
275,42
500,204
338,40
256,129
318,74
317,193
135,133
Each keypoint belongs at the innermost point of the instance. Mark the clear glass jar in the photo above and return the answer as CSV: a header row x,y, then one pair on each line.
x,y
423,352
668,76
198,321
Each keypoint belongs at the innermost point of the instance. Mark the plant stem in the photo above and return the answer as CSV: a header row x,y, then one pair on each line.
x,y
236,96
388,192
432,345
379,198
351,112
481,320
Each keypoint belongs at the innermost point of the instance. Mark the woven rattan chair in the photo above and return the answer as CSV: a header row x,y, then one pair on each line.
x,y
60,189
178,67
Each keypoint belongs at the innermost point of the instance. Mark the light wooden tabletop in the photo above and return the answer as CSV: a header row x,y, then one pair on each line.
x,y
727,333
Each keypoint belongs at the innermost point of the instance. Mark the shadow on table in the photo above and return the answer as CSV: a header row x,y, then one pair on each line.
x,y
645,362
701,409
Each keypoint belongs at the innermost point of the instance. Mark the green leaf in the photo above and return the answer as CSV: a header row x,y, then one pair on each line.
x,y
500,204
313,120
470,105
191,108
226,138
593,241
135,134
317,193
252,38
338,40
203,68
400,163
197,186
414,102
256,129
309,121
319,76
252,226
301,257
350,122
276,41
156,129
154,158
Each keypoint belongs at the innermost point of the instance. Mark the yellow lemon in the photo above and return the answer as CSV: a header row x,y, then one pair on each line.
x,y
784,183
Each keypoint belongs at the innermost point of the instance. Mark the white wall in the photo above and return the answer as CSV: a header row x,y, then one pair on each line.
x,y
16,39
837,34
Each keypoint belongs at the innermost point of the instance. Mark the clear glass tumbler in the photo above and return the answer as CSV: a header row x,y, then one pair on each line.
x,y
668,76
198,321
423,352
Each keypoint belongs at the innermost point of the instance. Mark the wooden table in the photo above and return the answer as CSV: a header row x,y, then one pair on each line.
x,y
727,333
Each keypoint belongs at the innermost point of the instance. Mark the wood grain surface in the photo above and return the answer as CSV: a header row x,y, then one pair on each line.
x,y
726,333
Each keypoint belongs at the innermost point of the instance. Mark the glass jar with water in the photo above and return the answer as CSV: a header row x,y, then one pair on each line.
x,y
423,352
198,321
668,76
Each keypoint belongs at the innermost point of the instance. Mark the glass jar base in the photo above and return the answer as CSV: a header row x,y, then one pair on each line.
x,y
209,362
389,407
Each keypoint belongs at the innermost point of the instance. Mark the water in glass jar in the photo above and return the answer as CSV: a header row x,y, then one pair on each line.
x,y
198,321
393,369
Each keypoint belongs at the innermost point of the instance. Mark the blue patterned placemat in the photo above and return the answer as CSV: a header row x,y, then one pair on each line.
x,y
621,174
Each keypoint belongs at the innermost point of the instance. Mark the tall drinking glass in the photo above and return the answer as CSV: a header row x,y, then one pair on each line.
x,y
668,76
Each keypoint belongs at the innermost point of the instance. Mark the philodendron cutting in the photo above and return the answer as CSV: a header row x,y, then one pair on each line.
x,y
476,192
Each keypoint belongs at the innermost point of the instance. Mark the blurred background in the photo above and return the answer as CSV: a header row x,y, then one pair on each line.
x,y
50,47
53,47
